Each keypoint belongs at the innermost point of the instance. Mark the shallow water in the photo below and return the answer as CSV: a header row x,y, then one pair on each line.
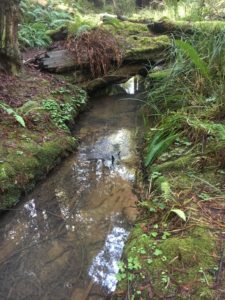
x,y
65,239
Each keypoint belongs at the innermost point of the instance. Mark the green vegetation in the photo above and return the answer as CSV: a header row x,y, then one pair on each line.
x,y
174,248
41,141
64,112
37,19
174,240
11,111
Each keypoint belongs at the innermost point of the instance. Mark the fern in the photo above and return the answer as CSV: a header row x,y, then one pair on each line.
x,y
158,145
111,21
190,51
11,111
82,29
166,190
215,129
37,19
165,135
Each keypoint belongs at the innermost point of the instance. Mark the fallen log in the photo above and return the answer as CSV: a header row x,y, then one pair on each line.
x,y
183,27
137,21
141,49
120,75
57,61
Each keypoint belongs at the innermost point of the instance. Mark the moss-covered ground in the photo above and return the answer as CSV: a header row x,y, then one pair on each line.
x,y
48,105
175,248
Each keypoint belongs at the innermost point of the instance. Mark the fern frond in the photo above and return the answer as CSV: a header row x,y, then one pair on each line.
x,y
190,52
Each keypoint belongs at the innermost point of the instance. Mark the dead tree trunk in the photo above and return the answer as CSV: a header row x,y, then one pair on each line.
x,y
10,61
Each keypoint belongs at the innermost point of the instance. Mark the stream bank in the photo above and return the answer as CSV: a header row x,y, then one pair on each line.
x,y
174,249
63,241
49,105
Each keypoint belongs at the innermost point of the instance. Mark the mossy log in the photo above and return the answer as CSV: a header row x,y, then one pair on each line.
x,y
136,50
183,27
120,75
59,34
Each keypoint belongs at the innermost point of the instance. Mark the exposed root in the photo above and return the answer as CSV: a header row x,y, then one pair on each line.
x,y
97,48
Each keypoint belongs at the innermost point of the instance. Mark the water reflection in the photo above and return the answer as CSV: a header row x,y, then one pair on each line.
x,y
105,265
132,86
71,229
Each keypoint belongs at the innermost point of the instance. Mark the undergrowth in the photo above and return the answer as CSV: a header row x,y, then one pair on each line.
x,y
36,20
175,247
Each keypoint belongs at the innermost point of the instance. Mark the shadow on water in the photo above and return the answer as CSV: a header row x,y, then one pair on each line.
x,y
65,239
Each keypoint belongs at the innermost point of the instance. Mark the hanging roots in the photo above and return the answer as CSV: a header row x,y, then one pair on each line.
x,y
96,48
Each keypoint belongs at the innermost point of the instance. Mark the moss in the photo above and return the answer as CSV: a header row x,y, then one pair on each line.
x,y
136,42
208,26
50,151
159,75
146,47
191,254
29,153
181,181
55,31
127,28
10,198
178,164
193,250
181,27
183,261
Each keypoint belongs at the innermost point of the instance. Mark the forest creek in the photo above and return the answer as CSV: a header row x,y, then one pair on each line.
x,y
112,154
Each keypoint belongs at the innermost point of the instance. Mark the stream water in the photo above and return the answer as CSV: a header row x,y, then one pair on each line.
x,y
63,241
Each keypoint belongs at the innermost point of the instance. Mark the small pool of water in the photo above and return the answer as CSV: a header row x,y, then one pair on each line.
x,y
65,239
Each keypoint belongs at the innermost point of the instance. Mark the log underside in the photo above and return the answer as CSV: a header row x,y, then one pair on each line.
x,y
120,75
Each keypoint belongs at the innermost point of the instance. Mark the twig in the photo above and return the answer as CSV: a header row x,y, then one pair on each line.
x,y
150,186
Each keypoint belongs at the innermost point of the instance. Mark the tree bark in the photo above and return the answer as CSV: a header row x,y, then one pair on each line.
x,y
10,61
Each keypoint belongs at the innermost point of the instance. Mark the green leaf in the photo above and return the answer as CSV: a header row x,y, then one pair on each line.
x,y
180,213
158,145
20,120
190,51
154,234
157,252
11,111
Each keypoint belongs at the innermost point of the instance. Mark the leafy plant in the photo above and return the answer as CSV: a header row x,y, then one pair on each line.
x,y
36,20
64,112
11,111
190,51
160,143
166,133
33,35
180,213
